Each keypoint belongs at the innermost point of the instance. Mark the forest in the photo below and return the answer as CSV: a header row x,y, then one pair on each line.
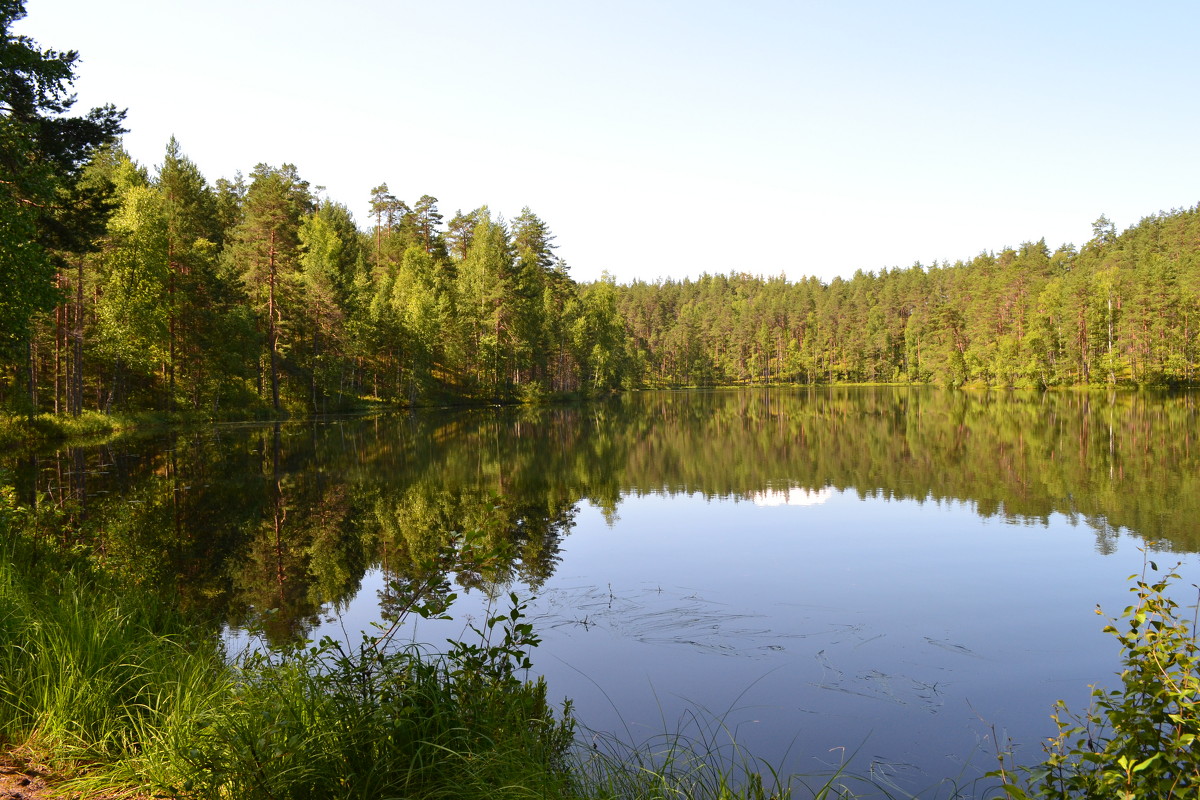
x,y
130,288
254,293
1120,310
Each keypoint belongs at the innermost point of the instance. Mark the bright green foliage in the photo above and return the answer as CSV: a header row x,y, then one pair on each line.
x,y
374,721
461,232
131,319
598,338
484,286
204,330
92,674
1123,310
1139,740
426,222
420,316
324,284
244,297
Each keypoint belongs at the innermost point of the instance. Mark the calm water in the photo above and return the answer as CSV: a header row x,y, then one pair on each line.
x,y
898,575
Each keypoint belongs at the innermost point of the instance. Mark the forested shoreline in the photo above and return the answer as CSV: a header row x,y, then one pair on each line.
x,y
256,294
130,288
1123,309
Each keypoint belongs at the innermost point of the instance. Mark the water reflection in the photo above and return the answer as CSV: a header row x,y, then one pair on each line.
x,y
240,519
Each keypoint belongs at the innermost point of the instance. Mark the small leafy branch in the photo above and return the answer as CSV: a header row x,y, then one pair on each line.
x,y
1138,740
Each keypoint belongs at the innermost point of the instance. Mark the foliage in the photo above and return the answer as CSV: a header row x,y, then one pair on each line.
x,y
375,721
1139,740
167,292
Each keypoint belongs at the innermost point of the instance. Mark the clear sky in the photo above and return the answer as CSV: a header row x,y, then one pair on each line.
x,y
669,138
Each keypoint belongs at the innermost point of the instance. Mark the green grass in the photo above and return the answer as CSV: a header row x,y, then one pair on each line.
x,y
88,426
91,676
111,687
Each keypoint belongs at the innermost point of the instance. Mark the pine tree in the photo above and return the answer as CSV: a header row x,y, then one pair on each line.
x,y
266,248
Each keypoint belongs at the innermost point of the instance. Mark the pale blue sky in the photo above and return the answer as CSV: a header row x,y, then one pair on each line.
x,y
666,139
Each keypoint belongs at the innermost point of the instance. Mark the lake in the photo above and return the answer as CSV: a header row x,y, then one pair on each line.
x,y
893,577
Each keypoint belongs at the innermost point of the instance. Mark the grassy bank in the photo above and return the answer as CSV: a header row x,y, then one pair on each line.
x,y
90,426
18,429
24,429
113,689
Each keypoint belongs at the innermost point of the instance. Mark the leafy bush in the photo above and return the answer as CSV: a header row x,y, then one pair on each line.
x,y
1138,740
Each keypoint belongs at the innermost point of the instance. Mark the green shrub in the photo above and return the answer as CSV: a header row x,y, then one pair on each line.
x,y
1138,740
332,721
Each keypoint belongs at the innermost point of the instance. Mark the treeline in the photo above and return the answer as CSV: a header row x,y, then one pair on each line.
x,y
126,288
1124,309
256,292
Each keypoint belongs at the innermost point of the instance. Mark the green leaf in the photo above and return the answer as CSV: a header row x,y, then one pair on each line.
x,y
1147,762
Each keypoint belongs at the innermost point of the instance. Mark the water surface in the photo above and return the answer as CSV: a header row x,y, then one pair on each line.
x,y
905,575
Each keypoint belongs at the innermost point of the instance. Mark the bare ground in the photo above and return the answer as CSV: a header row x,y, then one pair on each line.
x,y
23,781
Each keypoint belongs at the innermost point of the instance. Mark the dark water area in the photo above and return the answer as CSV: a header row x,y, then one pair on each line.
x,y
901,575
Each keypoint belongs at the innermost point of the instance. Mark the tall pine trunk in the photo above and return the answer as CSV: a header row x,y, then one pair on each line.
x,y
272,333
75,398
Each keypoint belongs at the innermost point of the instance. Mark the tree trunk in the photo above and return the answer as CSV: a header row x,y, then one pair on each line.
x,y
60,334
33,384
313,383
171,268
271,331
76,397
